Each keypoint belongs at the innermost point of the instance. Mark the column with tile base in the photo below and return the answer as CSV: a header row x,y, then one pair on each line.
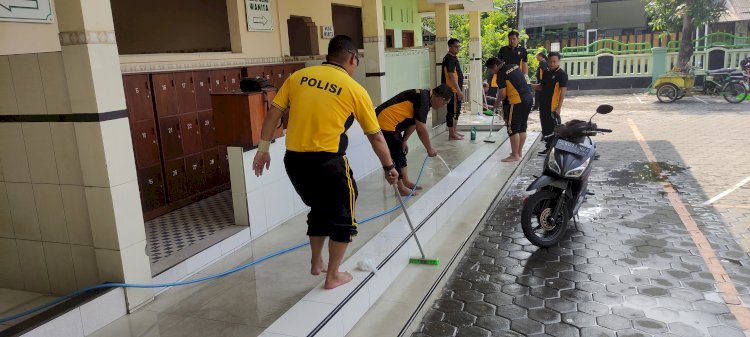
x,y
475,66
442,33
92,68
374,41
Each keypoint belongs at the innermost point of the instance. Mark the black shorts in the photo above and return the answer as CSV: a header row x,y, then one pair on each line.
x,y
516,117
453,110
395,146
326,184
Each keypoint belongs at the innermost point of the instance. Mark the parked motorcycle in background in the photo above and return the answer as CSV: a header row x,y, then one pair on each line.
x,y
563,186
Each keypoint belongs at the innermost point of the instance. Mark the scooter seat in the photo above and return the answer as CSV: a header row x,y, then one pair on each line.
x,y
722,71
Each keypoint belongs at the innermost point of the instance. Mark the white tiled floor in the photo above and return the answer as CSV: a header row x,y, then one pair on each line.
x,y
16,301
252,299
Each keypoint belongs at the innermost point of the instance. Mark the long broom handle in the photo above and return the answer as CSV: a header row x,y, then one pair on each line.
x,y
408,220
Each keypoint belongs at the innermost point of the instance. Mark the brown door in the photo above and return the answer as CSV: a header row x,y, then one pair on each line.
x,y
218,81
145,143
174,175
195,174
223,165
171,139
211,166
233,79
202,83
407,39
208,130
185,92
191,133
268,73
152,190
165,94
278,75
303,36
138,97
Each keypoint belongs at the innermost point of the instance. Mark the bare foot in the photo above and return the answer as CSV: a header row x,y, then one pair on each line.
x,y
510,159
335,280
404,192
411,186
460,134
455,138
318,267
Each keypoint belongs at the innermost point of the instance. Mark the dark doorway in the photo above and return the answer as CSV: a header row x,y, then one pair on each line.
x,y
407,39
303,36
348,21
389,43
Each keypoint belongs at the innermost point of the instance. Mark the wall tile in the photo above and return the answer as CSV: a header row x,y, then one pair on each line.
x,y
27,80
128,214
54,82
84,264
78,76
10,266
40,152
59,259
23,210
8,105
77,215
118,149
33,266
6,222
110,94
91,153
66,153
51,213
15,165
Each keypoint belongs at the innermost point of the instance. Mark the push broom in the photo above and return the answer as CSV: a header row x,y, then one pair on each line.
x,y
414,260
488,112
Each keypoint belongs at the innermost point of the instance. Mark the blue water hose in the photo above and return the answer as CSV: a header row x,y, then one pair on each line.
x,y
202,279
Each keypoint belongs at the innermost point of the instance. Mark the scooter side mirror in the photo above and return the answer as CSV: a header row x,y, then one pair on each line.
x,y
604,109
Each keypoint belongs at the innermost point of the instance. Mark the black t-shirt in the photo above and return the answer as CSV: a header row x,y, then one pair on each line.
x,y
513,55
452,66
401,111
510,78
552,83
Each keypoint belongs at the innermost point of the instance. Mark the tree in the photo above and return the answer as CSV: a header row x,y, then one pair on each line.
x,y
685,16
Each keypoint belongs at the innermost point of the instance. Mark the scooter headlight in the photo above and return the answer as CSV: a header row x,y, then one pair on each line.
x,y
576,172
551,162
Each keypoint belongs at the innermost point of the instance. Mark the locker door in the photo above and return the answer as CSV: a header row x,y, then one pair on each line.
x,y
196,176
233,79
174,175
218,81
191,133
208,130
151,186
202,83
211,166
268,73
138,97
223,165
145,143
280,75
171,138
185,92
165,95
253,72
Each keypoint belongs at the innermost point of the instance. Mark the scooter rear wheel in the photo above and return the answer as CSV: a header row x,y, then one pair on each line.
x,y
536,219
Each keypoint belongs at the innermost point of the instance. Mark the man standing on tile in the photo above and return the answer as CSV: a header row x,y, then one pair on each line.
x,y
322,103
403,114
512,87
552,86
453,77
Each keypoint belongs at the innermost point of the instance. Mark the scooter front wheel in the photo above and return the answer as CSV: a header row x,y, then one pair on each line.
x,y
539,225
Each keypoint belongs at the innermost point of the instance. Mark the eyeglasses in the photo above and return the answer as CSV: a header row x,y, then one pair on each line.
x,y
356,56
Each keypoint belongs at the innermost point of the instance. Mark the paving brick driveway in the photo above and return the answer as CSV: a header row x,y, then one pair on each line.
x,y
630,268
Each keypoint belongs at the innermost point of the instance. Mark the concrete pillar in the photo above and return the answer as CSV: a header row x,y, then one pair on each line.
x,y
659,64
374,41
92,70
442,33
475,57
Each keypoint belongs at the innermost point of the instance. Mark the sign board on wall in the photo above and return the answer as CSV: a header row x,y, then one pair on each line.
x,y
259,15
555,46
326,32
26,11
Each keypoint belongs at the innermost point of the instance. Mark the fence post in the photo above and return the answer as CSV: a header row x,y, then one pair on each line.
x,y
658,62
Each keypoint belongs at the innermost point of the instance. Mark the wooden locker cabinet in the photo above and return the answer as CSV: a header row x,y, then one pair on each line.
x,y
151,185
208,129
202,83
145,143
270,95
171,140
174,176
238,118
138,97
190,131
185,89
165,95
